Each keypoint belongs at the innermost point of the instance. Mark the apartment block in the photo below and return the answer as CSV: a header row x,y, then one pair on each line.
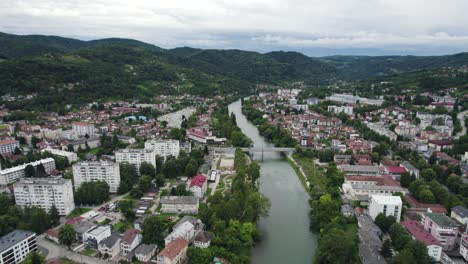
x,y
136,156
388,205
44,193
8,176
8,146
164,148
15,246
108,172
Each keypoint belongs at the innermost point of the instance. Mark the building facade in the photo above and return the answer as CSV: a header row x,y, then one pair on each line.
x,y
83,129
179,204
164,147
8,146
136,156
15,246
108,172
70,156
44,193
8,176
388,205
443,228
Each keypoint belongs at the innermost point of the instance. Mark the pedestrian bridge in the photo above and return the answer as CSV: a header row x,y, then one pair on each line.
x,y
253,149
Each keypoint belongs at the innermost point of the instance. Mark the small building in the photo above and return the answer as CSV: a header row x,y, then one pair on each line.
x,y
460,214
179,204
52,234
174,253
186,231
198,185
202,240
145,252
110,246
130,240
417,231
464,246
388,205
94,236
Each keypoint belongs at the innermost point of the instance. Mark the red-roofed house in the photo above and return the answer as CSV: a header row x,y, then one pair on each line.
x,y
395,171
52,234
417,206
174,253
416,229
8,146
130,240
198,185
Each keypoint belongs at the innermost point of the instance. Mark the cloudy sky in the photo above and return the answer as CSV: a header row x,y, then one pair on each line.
x,y
315,27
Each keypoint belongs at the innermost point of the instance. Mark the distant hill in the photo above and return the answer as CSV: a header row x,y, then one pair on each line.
x,y
65,70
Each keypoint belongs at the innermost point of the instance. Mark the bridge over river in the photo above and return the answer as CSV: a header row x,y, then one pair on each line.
x,y
252,150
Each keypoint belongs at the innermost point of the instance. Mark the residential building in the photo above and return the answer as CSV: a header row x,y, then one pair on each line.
x,y
186,231
8,146
417,231
174,253
145,252
443,228
136,156
202,240
44,193
130,240
179,204
340,109
361,170
464,246
362,187
88,171
460,214
83,129
388,205
164,147
70,156
110,245
199,185
351,99
8,176
96,235
15,246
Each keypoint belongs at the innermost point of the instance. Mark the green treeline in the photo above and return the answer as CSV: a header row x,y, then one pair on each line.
x,y
231,217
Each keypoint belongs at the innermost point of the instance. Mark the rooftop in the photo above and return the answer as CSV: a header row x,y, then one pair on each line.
x,y
386,199
13,238
198,180
442,220
173,248
460,210
419,233
179,200
41,181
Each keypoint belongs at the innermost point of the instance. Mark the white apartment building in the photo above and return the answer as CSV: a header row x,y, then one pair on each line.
x,y
340,109
8,176
70,156
388,205
164,147
185,231
44,193
8,146
351,99
108,172
96,235
15,246
136,156
82,128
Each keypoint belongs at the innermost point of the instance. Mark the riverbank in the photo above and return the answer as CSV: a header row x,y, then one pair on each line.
x,y
299,172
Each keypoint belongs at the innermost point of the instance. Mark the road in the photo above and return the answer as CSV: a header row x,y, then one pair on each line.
x,y
58,251
461,117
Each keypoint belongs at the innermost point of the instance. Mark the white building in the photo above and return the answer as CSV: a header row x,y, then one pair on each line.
x,y
460,214
145,252
417,231
8,146
96,235
110,245
340,109
186,231
351,99
179,204
136,156
130,240
199,185
164,147
108,172
44,193
15,246
388,205
83,129
8,176
70,156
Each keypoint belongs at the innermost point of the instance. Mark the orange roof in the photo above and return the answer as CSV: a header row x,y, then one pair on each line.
x,y
173,248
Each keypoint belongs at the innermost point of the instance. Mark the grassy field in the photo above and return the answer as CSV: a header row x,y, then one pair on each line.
x,y
314,175
88,252
299,174
77,212
121,227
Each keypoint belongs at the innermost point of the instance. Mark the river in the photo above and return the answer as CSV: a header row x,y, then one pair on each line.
x,y
285,232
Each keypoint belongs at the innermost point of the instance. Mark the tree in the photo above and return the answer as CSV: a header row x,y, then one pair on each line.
x,y
428,174
399,236
29,171
329,251
128,177
253,171
425,195
405,179
66,235
40,171
175,133
17,151
384,222
34,257
199,256
419,251
54,215
386,249
90,193
152,230
147,169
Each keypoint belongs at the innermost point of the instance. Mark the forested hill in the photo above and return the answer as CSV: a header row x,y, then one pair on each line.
x,y
64,70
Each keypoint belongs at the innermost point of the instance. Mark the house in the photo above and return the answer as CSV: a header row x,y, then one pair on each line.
x,y
145,252
94,236
464,246
443,228
186,230
130,240
110,245
52,234
388,205
81,228
202,240
174,253
199,185
179,204
395,171
460,214
410,168
417,231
